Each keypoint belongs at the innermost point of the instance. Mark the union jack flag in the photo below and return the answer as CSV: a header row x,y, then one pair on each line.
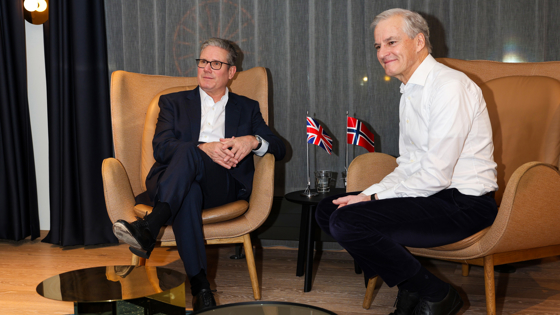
x,y
316,135
358,134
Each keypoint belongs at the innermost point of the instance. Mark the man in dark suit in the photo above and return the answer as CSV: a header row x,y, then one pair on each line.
x,y
203,147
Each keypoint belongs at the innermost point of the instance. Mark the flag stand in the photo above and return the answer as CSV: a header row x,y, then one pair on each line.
x,y
307,192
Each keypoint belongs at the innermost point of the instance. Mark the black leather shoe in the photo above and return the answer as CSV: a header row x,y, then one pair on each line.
x,y
204,300
137,235
406,302
450,305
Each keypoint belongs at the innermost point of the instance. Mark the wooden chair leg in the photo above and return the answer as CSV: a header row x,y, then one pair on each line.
x,y
489,285
368,299
466,268
138,261
251,265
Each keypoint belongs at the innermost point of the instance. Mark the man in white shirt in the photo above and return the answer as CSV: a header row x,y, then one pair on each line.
x,y
441,190
203,146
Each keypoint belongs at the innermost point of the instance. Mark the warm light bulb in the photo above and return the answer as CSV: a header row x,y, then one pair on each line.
x,y
31,5
387,78
365,79
42,5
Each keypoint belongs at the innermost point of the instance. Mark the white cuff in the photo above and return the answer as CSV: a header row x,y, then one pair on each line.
x,y
263,149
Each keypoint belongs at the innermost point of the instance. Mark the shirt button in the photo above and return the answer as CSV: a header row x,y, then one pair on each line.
x,y
407,121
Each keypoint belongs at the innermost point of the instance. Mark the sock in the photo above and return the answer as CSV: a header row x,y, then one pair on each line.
x,y
428,286
158,217
199,282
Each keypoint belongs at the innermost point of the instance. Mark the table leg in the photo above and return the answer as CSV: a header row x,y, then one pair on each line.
x,y
302,244
310,251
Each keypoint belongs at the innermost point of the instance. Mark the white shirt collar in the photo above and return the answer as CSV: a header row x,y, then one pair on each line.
x,y
421,73
204,95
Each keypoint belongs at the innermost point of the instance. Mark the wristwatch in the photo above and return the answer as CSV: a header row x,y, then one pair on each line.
x,y
260,142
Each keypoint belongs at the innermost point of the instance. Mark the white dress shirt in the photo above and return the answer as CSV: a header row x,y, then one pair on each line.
x,y
445,137
213,120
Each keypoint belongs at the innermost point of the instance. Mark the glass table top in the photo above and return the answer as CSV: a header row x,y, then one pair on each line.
x,y
110,283
266,308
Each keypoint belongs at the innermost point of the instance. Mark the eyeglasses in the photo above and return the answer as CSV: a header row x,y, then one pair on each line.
x,y
215,65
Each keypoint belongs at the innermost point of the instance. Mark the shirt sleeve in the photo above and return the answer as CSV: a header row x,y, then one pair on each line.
x,y
263,149
451,109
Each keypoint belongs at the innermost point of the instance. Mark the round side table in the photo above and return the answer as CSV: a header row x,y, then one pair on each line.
x,y
306,245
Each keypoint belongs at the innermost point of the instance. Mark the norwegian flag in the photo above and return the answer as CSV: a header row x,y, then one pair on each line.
x,y
316,135
358,134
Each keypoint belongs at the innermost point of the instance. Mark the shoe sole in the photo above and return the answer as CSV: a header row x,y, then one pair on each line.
x,y
123,234
140,252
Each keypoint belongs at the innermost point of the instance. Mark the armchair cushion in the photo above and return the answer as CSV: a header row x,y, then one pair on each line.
x,y
212,215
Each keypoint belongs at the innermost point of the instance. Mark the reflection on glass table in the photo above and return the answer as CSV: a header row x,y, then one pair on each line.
x,y
266,308
108,289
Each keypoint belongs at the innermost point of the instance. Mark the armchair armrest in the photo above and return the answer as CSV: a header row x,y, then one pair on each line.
x,y
368,169
529,214
119,197
260,202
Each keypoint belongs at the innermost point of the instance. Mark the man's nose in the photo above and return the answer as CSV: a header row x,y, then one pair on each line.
x,y
382,52
207,67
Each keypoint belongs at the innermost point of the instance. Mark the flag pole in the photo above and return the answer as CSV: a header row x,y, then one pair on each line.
x,y
307,192
346,163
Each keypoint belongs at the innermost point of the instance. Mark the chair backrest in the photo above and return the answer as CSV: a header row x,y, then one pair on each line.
x,y
525,116
523,102
131,96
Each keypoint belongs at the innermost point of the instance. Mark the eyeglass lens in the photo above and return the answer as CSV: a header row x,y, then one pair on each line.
x,y
215,65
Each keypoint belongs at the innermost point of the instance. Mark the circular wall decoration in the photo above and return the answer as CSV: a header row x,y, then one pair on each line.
x,y
212,18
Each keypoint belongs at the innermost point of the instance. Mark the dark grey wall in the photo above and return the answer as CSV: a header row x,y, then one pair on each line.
x,y
318,53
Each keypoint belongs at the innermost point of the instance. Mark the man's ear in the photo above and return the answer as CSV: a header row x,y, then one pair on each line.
x,y
231,71
420,42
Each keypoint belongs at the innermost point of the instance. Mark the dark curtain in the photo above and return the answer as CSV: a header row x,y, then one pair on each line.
x,y
79,122
19,212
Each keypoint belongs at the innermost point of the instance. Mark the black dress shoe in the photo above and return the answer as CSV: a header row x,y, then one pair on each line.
x,y
137,235
406,302
204,300
450,305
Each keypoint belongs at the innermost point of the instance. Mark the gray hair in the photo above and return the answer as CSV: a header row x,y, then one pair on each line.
x,y
224,44
414,23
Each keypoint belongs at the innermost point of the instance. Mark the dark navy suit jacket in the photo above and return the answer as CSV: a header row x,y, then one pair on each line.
x,y
179,125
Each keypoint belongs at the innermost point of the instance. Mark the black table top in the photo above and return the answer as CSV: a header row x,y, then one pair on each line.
x,y
110,283
298,198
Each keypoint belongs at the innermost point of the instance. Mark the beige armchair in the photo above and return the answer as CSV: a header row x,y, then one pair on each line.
x,y
134,110
524,106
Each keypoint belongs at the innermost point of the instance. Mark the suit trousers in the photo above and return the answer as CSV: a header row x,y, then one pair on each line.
x,y
375,232
192,182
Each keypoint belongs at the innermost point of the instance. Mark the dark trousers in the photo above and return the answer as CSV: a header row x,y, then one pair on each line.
x,y
375,232
192,182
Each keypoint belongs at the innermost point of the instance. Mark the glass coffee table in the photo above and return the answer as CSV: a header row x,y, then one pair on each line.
x,y
265,308
119,290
